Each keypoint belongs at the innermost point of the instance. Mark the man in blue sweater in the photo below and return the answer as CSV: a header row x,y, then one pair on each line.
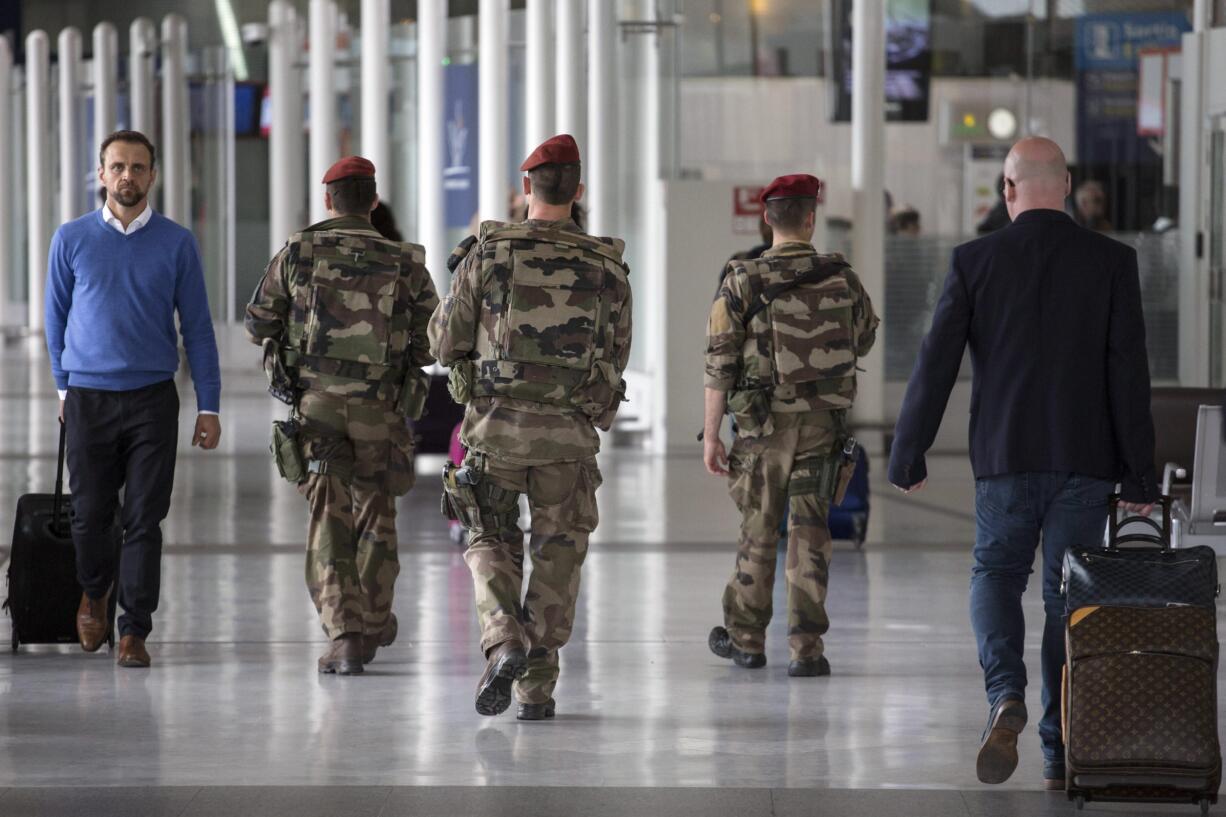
x,y
115,279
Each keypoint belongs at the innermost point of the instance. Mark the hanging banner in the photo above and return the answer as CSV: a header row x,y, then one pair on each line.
x,y
460,166
1107,61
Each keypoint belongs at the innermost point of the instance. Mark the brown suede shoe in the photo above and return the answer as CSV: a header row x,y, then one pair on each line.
x,y
372,643
507,663
93,623
344,656
132,652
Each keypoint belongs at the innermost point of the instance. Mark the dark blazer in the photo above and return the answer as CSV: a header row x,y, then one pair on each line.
x,y
1052,314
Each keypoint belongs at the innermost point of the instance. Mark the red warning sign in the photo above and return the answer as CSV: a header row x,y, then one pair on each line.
x,y
746,209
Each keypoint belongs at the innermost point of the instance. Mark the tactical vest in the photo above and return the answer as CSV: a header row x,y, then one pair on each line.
x,y
343,320
800,347
550,296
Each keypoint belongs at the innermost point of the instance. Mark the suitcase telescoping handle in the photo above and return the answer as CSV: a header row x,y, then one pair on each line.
x,y
1161,538
59,484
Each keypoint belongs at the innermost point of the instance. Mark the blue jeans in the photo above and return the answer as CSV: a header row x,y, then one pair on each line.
x,y
1012,514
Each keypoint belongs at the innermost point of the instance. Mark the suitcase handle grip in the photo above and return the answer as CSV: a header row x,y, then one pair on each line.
x,y
59,484
1161,539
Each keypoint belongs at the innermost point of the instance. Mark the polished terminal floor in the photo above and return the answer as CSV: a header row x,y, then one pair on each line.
x,y
233,720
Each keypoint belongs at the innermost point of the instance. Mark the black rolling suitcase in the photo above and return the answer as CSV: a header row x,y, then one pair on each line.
x,y
1140,691
42,576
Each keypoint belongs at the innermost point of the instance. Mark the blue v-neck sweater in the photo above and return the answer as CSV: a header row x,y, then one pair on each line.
x,y
111,303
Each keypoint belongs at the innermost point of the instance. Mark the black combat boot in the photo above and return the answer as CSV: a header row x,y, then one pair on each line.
x,y
809,667
720,642
507,663
537,712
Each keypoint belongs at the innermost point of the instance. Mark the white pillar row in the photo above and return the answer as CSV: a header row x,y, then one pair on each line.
x,y
38,168
6,174
538,80
322,92
600,158
570,72
286,188
142,50
106,80
376,36
493,143
176,172
868,186
431,50
72,180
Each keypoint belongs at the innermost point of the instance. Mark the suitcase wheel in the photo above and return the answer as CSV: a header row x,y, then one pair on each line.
x,y
1079,801
1204,805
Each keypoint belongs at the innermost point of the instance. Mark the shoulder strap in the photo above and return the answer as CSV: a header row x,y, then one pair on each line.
x,y
819,273
610,248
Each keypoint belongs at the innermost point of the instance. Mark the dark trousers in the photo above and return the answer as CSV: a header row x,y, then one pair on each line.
x,y
1012,514
122,439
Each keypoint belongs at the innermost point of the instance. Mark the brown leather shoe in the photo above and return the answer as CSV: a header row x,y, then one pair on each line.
x,y
344,656
132,652
93,623
372,643
507,663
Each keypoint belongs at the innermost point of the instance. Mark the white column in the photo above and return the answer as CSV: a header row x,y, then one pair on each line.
x,y
6,174
106,80
1194,302
600,160
176,173
570,71
431,49
323,101
376,34
492,119
142,49
868,184
38,165
286,190
539,81
72,180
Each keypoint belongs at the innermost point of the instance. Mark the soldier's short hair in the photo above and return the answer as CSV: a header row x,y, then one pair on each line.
x,y
131,136
555,183
789,214
352,196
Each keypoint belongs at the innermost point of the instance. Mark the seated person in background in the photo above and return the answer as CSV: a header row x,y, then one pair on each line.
x,y
1091,207
905,222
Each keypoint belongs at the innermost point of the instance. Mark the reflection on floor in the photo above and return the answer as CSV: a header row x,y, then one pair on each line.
x,y
649,722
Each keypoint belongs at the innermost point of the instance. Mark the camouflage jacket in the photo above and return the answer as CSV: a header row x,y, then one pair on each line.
x,y
347,307
541,312
796,355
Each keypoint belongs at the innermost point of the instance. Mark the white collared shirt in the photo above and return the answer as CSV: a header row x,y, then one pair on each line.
x,y
140,221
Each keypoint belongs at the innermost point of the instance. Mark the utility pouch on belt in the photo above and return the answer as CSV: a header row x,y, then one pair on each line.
x,y
751,408
847,469
460,496
286,452
282,383
460,381
411,402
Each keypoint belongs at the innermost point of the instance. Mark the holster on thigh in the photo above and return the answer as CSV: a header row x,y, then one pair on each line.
x,y
473,499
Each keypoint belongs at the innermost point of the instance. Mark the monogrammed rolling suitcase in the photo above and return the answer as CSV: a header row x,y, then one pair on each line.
x,y
1140,690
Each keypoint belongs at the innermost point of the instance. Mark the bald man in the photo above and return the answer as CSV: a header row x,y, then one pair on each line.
x,y
1059,414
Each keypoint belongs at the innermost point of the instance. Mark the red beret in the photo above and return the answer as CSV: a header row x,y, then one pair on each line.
x,y
348,167
794,186
557,150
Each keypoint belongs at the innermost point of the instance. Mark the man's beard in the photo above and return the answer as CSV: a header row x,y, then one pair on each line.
x,y
128,196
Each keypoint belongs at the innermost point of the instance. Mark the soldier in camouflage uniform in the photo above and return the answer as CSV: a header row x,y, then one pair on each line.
x,y
783,338
341,313
536,329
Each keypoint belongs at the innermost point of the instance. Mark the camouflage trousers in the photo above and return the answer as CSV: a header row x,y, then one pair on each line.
x,y
768,476
366,456
562,502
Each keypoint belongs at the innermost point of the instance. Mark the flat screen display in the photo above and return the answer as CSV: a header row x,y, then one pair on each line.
x,y
908,55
